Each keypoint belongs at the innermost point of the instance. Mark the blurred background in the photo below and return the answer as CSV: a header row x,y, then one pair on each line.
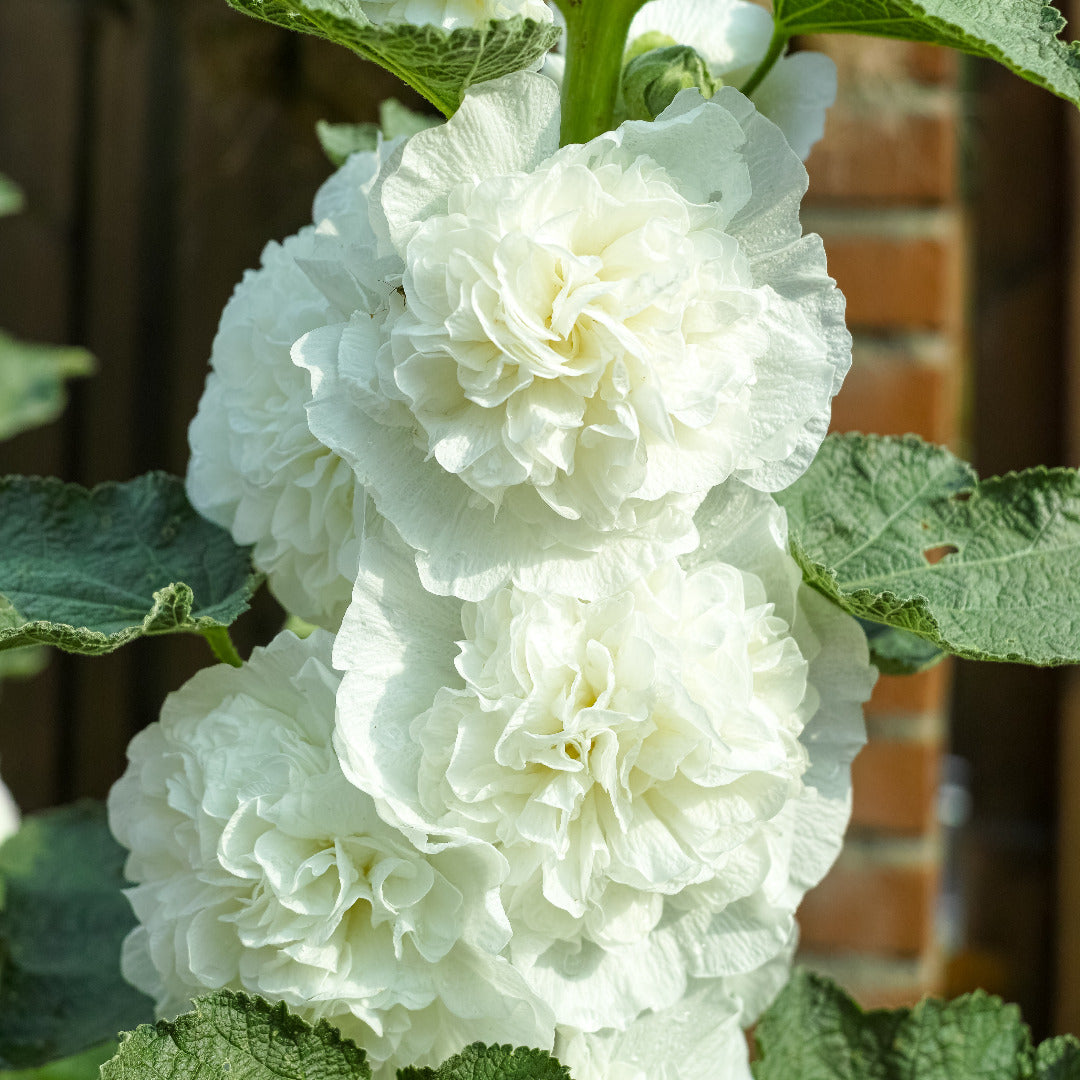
x,y
161,144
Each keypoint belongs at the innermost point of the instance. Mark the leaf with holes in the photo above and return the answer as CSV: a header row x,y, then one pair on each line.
x,y
231,1036
902,533
32,382
439,64
89,571
62,920
1024,35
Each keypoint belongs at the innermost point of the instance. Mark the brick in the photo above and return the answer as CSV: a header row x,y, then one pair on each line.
x,y
926,692
894,397
895,786
872,907
899,282
884,155
861,60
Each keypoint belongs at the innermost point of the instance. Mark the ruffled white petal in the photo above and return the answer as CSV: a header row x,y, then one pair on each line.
x,y
451,14
699,1038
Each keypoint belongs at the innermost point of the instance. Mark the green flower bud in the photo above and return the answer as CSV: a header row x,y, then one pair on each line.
x,y
652,79
643,43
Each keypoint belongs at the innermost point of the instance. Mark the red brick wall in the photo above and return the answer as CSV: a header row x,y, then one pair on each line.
x,y
884,194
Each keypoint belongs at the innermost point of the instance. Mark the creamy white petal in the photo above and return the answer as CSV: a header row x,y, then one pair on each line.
x,y
451,14
698,1038
503,126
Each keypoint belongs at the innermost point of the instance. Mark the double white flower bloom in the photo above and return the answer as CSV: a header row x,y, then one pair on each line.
x,y
664,769
524,406
591,338
259,866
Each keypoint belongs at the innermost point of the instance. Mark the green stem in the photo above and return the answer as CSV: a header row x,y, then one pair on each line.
x,y
777,45
221,645
596,32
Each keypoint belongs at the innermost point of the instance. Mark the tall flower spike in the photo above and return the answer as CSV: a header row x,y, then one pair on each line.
x,y
591,338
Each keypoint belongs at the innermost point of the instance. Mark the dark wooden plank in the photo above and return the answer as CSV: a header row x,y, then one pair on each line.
x,y
41,46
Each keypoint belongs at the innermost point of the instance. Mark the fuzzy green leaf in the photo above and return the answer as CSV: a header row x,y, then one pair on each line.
x,y
439,64
1021,34
32,382
480,1062
231,1036
902,533
62,920
89,571
814,1031
11,196
1058,1059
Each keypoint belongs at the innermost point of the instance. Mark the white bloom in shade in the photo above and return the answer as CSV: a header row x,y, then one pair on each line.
x,y
733,36
258,866
451,14
255,467
9,813
592,337
698,1038
665,769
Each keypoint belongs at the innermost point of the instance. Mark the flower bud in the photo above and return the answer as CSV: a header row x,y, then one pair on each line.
x,y
651,80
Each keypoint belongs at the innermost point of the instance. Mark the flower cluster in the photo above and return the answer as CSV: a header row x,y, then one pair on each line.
x,y
506,420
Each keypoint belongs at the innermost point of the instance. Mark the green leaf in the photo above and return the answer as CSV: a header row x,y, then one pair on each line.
x,y
814,1031
32,382
11,196
62,920
1058,1059
89,571
896,652
231,1036
340,140
82,1066
480,1062
1021,34
902,533
439,64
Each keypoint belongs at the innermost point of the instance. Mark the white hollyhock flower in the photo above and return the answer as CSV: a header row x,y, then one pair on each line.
x,y
592,337
255,467
665,768
698,1038
258,866
733,36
